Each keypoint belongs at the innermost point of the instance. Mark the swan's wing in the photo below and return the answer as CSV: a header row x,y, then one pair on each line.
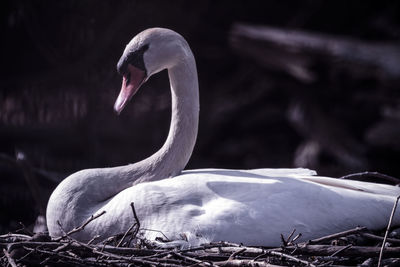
x,y
333,183
255,173
284,172
374,188
302,174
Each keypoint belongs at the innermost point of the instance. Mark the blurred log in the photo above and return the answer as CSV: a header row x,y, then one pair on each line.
x,y
324,133
385,134
24,192
294,51
32,181
309,57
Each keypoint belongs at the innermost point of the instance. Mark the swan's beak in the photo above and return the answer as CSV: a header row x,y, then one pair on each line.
x,y
131,83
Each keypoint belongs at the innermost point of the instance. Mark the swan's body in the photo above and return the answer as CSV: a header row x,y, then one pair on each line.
x,y
249,206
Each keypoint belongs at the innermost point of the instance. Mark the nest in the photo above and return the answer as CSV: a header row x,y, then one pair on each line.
x,y
357,246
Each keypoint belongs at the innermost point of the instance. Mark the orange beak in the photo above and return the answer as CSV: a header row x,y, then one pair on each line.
x,y
131,83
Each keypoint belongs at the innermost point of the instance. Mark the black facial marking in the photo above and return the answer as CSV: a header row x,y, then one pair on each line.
x,y
134,58
128,78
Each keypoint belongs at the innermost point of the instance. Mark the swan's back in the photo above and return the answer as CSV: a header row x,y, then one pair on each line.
x,y
253,207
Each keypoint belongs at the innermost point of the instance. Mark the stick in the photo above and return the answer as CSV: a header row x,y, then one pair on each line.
x,y
340,250
134,234
320,250
134,214
93,239
361,175
82,262
327,250
80,228
290,236
158,231
117,257
234,254
196,261
380,238
387,230
10,260
289,257
296,237
126,233
240,263
337,235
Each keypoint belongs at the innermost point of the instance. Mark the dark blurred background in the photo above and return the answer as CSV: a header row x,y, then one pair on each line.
x,y
282,84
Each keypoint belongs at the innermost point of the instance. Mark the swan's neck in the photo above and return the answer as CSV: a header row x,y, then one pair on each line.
x,y
172,158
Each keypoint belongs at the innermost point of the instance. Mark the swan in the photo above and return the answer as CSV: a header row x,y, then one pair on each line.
x,y
253,207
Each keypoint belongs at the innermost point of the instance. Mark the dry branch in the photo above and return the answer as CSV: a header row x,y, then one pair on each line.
x,y
364,175
387,230
80,228
380,238
240,263
336,235
10,260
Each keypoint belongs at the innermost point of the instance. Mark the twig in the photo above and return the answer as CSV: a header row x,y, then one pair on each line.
x,y
80,228
240,263
82,262
387,230
337,235
126,233
93,239
158,231
134,234
361,175
60,248
16,236
196,261
134,214
342,249
10,260
250,251
234,254
204,247
296,237
289,257
24,229
290,236
26,255
260,256
380,238
327,250
118,257
283,240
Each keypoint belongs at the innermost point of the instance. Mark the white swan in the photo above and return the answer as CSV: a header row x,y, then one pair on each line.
x,y
249,206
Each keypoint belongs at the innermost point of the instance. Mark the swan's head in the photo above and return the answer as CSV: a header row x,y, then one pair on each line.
x,y
149,52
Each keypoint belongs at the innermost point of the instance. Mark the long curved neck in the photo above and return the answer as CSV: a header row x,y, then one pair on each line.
x,y
173,156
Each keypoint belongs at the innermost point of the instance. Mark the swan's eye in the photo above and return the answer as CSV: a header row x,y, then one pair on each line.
x,y
128,77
